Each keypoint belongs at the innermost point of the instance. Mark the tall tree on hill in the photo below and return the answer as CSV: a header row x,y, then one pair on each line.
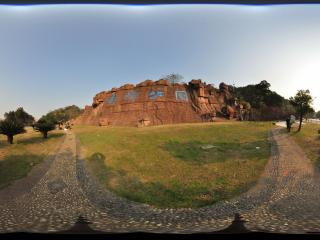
x,y
302,102
266,104
173,78
11,126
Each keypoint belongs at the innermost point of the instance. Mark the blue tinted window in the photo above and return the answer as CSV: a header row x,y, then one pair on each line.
x,y
154,94
131,96
112,99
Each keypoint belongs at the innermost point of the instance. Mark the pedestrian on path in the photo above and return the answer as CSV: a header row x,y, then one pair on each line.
x,y
288,124
289,121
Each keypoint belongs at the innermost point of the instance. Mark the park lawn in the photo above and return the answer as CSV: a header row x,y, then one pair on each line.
x,y
29,149
309,140
165,166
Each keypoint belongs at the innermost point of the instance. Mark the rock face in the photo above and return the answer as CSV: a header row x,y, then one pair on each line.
x,y
159,102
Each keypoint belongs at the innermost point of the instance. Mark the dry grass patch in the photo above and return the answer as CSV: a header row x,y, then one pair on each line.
x,y
29,149
309,140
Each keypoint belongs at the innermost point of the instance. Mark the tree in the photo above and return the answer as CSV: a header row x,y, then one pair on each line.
x,y
21,115
62,115
44,125
10,126
302,102
318,114
265,104
10,116
263,86
173,78
259,94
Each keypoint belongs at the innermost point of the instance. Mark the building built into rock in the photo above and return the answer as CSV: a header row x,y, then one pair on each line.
x,y
160,102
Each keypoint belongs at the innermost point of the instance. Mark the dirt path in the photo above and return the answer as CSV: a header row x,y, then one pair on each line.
x,y
286,199
294,205
53,203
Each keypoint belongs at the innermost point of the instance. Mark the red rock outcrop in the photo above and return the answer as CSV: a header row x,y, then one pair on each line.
x,y
159,102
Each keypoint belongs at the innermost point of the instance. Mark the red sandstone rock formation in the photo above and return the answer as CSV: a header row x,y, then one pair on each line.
x,y
159,102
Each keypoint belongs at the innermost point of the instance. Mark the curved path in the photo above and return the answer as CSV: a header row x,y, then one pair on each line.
x,y
286,199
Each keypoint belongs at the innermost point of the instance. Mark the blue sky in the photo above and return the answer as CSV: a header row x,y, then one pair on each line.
x,y
58,55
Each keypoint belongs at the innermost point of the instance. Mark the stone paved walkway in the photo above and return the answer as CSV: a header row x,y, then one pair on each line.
x,y
286,199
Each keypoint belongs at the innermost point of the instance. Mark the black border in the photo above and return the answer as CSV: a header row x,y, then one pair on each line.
x,y
155,2
142,235
154,236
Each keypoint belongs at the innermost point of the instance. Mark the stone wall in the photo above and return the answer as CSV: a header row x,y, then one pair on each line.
x,y
159,102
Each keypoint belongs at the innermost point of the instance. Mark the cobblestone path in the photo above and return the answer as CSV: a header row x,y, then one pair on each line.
x,y
286,199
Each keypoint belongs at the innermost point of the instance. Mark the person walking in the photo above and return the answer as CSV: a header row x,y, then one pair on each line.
x,y
288,122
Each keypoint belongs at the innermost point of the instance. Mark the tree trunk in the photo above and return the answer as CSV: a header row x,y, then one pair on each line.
x,y
45,134
10,139
301,115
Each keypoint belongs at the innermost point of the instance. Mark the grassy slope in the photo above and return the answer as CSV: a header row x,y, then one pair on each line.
x,y
28,150
166,167
309,140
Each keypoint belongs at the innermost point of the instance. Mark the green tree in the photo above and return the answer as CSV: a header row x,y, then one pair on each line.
x,y
318,114
62,115
21,115
265,104
11,126
10,116
45,125
263,86
259,95
302,102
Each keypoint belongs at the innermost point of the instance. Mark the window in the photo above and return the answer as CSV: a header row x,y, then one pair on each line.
x,y
154,94
181,95
131,96
112,99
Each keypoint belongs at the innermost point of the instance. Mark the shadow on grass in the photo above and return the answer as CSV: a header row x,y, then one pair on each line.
x,y
173,194
177,194
294,132
98,166
195,152
14,167
39,139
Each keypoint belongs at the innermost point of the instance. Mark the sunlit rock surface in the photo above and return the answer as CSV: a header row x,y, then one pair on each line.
x,y
160,102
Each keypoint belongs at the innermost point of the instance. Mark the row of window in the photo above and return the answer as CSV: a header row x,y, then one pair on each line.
x,y
132,96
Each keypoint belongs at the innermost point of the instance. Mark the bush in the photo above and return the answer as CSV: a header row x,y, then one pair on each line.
x,y
45,125
10,127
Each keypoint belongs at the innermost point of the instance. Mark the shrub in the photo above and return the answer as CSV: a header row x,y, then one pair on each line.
x,y
45,125
11,127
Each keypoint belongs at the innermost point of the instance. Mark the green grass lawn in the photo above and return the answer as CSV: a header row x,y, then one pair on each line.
x,y
29,149
165,166
309,140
